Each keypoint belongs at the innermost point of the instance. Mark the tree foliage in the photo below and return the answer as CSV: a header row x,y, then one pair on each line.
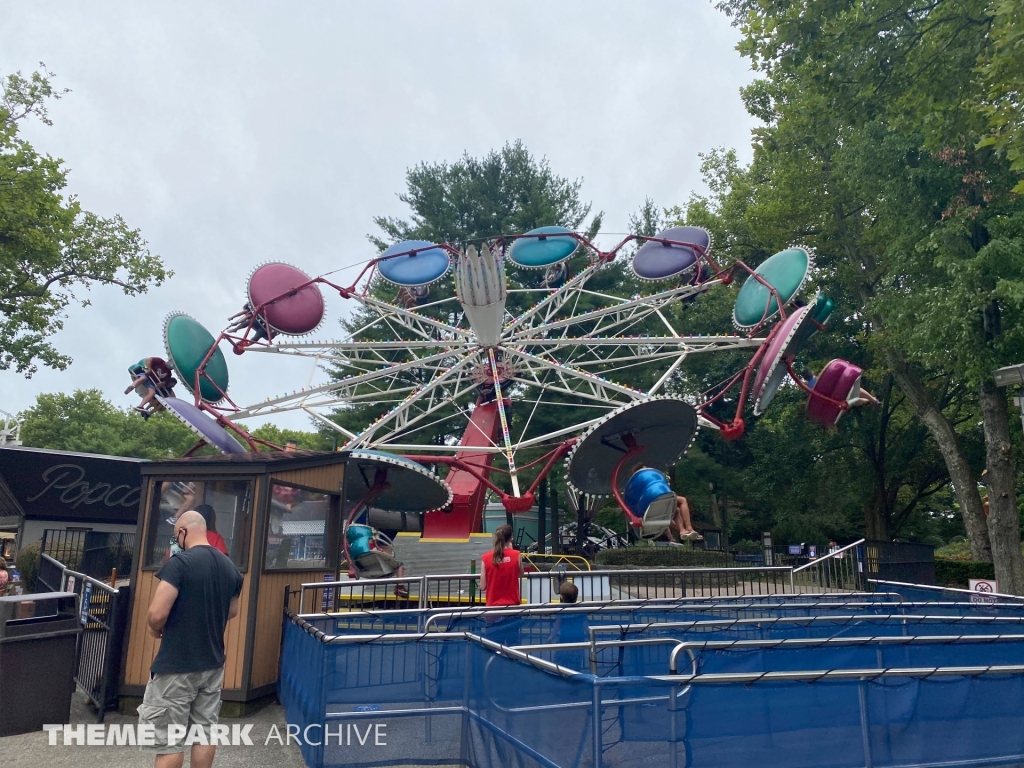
x,y
505,192
86,422
1001,71
51,249
873,149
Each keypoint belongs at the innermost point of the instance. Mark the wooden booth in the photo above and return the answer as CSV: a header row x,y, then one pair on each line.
x,y
280,517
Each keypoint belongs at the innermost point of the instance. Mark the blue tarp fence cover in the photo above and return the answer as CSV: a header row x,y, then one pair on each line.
x,y
869,682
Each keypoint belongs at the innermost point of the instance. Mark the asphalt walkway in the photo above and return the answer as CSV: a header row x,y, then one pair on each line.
x,y
32,750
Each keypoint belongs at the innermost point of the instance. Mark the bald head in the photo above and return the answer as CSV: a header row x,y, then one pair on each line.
x,y
194,526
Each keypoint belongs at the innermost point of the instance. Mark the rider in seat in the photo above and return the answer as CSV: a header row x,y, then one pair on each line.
x,y
242,321
151,376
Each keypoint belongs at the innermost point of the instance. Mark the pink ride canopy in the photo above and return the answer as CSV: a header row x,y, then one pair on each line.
x,y
839,381
291,314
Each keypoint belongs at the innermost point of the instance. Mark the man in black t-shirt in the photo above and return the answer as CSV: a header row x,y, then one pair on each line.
x,y
196,597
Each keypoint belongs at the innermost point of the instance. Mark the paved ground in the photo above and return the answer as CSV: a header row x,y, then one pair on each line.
x,y
31,750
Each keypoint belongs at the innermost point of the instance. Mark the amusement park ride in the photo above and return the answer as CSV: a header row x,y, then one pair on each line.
x,y
552,353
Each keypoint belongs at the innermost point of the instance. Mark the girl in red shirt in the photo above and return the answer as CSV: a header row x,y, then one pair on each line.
x,y
503,567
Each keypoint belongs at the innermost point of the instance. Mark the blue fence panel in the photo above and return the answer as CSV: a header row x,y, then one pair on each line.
x,y
433,701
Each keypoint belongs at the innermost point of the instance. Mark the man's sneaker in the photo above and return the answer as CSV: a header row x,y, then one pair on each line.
x,y
142,411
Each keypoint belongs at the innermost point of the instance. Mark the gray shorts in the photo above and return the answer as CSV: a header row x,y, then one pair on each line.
x,y
184,698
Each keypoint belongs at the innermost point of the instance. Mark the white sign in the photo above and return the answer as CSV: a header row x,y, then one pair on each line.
x,y
983,589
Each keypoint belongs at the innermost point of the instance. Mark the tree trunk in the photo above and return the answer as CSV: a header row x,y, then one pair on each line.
x,y
876,519
1003,519
949,445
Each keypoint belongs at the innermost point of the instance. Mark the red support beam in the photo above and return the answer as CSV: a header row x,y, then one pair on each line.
x,y
469,494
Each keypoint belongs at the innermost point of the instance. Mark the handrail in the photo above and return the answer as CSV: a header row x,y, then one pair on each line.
x,y
710,603
753,677
504,650
1017,598
382,637
812,642
83,576
844,619
824,558
823,674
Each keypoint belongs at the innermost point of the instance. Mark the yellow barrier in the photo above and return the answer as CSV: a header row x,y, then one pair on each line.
x,y
550,562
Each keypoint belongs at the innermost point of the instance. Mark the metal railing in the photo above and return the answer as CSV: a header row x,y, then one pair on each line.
x,y
104,612
95,553
841,574
546,562
445,590
392,593
985,598
842,569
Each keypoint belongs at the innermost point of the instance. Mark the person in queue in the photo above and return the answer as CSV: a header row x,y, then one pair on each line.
x,y
197,594
210,516
502,569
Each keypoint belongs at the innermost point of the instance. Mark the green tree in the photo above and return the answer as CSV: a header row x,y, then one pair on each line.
x,y
507,191
305,441
869,141
85,422
1001,71
877,474
49,246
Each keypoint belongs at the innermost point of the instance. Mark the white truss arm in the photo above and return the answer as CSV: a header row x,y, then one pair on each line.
x,y
619,314
591,385
400,415
343,389
550,305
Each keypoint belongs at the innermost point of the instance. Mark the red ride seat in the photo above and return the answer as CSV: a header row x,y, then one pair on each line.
x,y
838,381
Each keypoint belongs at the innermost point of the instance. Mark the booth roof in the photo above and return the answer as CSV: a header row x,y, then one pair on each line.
x,y
70,454
264,461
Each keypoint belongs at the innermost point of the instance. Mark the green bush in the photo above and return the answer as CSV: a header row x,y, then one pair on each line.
x,y
955,550
956,573
747,547
28,565
664,557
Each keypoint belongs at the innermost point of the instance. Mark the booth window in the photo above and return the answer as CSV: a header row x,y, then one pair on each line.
x,y
226,505
298,529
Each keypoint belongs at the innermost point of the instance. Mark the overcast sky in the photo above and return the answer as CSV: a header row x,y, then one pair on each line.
x,y
237,133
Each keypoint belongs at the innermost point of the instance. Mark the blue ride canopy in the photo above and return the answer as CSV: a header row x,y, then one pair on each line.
x,y
426,264
540,252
